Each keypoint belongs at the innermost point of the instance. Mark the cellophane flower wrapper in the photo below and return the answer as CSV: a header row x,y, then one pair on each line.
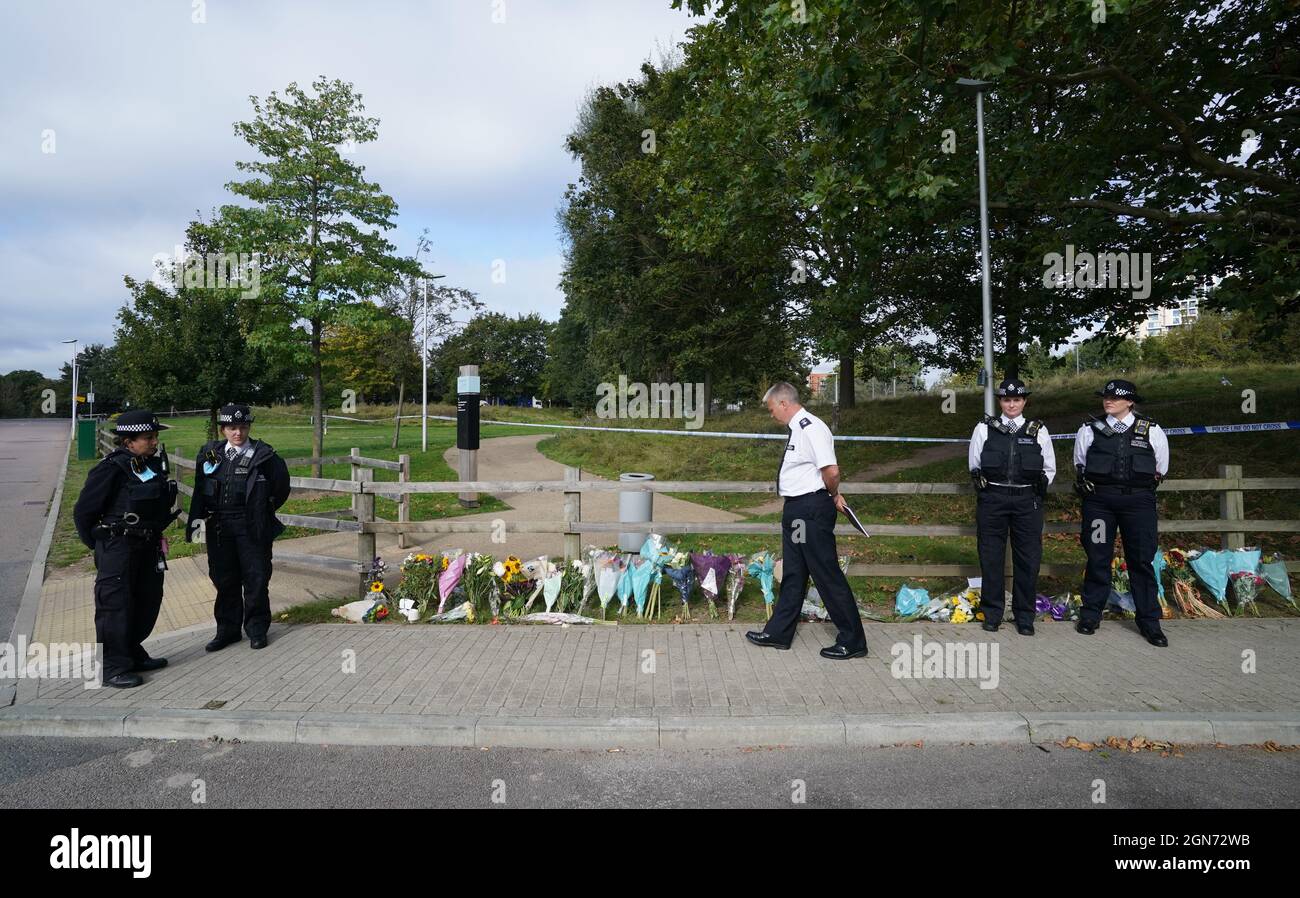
x,y
624,588
1245,586
450,578
640,574
1273,569
464,611
711,573
735,583
763,566
608,568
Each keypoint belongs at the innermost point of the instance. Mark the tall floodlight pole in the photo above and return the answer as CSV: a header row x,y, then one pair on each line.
x,y
74,382
424,358
979,87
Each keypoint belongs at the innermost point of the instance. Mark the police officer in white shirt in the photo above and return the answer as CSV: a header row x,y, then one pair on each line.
x,y
809,479
1011,464
1120,460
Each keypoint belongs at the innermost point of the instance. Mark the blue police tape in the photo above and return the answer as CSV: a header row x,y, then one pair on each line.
x,y
1193,430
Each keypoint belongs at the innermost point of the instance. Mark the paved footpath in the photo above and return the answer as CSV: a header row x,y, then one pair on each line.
x,y
690,685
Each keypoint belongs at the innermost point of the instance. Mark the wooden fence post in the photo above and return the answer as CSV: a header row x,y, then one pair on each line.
x,y
354,476
572,515
363,504
404,500
1232,507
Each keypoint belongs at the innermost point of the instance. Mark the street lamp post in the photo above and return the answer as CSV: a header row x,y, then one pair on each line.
x,y
979,87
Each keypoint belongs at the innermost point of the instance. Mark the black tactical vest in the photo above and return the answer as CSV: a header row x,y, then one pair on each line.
x,y
1011,457
1126,458
231,482
150,500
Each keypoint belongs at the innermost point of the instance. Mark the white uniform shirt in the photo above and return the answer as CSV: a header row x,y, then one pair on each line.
x,y
1156,436
981,434
246,449
810,448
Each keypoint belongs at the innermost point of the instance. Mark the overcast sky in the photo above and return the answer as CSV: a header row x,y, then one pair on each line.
x,y
141,101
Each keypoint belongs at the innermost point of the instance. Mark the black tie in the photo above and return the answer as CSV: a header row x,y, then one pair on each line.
x,y
785,447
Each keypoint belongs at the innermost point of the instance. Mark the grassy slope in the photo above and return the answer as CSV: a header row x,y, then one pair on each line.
x,y
294,440
1173,399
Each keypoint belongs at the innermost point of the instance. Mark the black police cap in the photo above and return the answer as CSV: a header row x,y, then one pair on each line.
x,y
139,421
1011,388
1120,389
235,414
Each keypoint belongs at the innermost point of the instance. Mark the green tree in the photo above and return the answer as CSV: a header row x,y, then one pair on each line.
x,y
510,353
316,222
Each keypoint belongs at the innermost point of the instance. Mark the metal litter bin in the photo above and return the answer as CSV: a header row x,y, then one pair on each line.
x,y
634,507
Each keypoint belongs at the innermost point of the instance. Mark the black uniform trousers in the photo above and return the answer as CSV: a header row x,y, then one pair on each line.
x,y
239,566
128,596
814,555
1133,512
1018,511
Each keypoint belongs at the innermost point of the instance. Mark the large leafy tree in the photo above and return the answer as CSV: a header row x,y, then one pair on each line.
x,y
315,219
1122,134
510,353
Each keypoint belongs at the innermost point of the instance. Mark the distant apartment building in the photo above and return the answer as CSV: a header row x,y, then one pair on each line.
x,y
1161,321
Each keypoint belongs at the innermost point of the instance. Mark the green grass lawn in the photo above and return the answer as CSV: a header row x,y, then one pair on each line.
x,y
292,439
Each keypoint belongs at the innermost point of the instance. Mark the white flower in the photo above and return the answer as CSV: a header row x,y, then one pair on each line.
x,y
499,569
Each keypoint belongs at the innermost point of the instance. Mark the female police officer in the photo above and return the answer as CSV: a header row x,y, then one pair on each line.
x,y
1011,463
1120,460
238,486
121,514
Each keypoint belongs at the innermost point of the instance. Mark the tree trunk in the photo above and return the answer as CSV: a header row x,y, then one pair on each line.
x,y
317,399
845,385
213,431
397,419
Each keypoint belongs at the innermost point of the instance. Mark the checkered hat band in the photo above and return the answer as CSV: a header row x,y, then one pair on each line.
x,y
1120,391
230,419
133,428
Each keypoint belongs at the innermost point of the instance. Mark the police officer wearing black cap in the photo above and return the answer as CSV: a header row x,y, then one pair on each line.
x,y
1120,460
238,486
1011,464
122,511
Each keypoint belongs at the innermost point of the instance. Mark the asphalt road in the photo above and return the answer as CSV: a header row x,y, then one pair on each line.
x,y
133,773
31,456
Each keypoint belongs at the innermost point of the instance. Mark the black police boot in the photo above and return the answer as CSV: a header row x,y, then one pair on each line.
x,y
839,652
126,680
221,642
758,637
257,642
1085,628
150,664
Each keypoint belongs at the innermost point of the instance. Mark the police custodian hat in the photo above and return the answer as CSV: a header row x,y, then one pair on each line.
x,y
1120,389
1011,387
139,421
235,414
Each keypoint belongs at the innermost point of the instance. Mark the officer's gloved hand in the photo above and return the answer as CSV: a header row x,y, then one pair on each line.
x,y
978,480
1160,478
1082,485
1040,487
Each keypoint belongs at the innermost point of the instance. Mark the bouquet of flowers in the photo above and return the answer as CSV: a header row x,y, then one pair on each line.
x,y
711,571
624,587
1062,607
1245,585
1274,570
450,577
588,577
420,580
1119,575
679,571
1186,595
464,611
477,581
640,574
539,571
608,566
376,592
735,583
763,566
511,585
656,551
572,586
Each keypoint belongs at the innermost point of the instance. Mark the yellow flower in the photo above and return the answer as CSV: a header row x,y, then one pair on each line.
x,y
959,616
444,562
377,586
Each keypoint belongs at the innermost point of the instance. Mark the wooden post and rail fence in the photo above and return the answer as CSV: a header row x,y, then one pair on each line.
x,y
1231,485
